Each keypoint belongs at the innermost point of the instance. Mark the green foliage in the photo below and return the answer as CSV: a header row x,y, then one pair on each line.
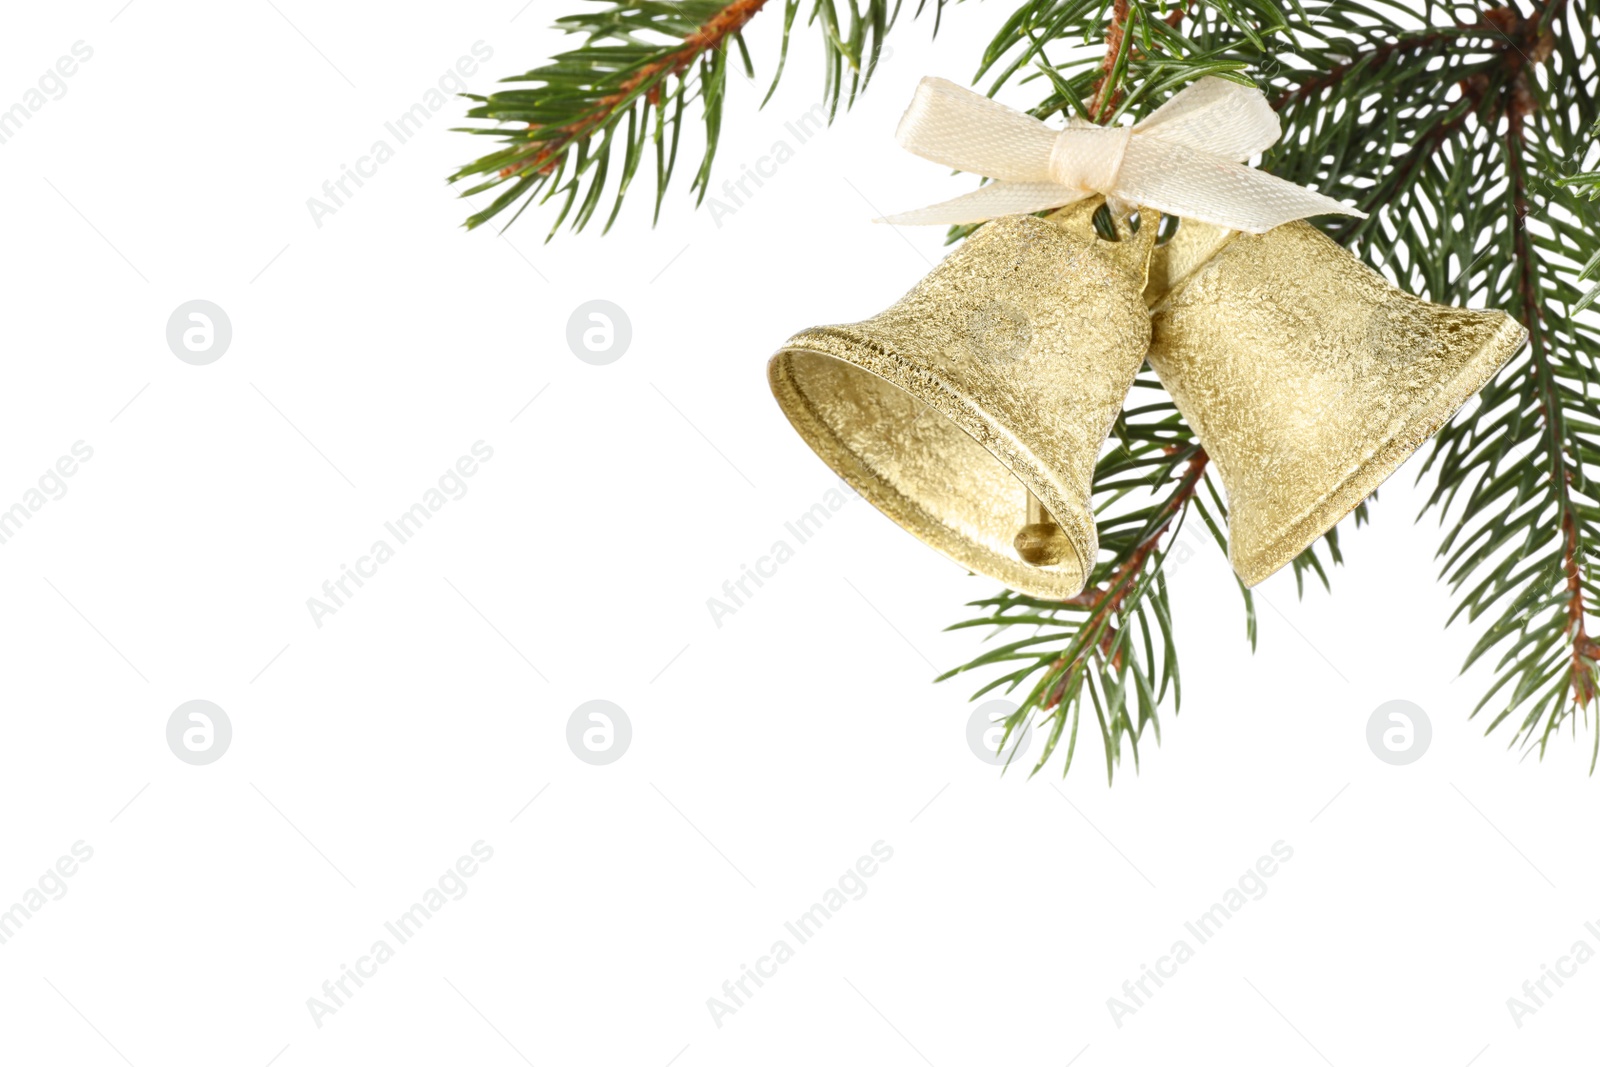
x,y
1114,652
1586,183
581,126
1157,54
1455,135
1460,129
1454,127
1111,649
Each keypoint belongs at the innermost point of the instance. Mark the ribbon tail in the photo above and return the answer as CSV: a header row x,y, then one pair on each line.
x,y
964,130
991,202
1214,189
1217,116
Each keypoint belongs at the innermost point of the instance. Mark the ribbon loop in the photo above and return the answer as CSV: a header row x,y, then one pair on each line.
x,y
1184,159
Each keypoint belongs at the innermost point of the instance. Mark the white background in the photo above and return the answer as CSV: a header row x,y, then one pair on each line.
x,y
767,755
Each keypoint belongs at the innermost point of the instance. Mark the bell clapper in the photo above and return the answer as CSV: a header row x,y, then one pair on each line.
x,y
1041,542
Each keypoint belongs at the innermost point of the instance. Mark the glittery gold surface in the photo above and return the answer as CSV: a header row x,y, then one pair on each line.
x,y
1001,372
1307,377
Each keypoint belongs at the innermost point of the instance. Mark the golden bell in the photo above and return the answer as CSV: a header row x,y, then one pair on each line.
x,y
972,411
1306,376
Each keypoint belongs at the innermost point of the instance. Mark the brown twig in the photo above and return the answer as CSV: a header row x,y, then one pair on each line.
x,y
1104,602
1517,105
1372,58
716,31
1500,24
1584,649
1105,96
1521,44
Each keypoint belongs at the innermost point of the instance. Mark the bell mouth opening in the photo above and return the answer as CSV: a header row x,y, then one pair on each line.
x,y
1256,560
924,469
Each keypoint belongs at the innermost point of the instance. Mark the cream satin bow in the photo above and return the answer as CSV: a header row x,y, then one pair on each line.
x,y
1184,159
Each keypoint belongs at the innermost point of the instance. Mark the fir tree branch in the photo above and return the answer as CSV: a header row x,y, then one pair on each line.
x,y
1107,89
1110,649
1460,128
1460,166
1588,183
1451,132
627,89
